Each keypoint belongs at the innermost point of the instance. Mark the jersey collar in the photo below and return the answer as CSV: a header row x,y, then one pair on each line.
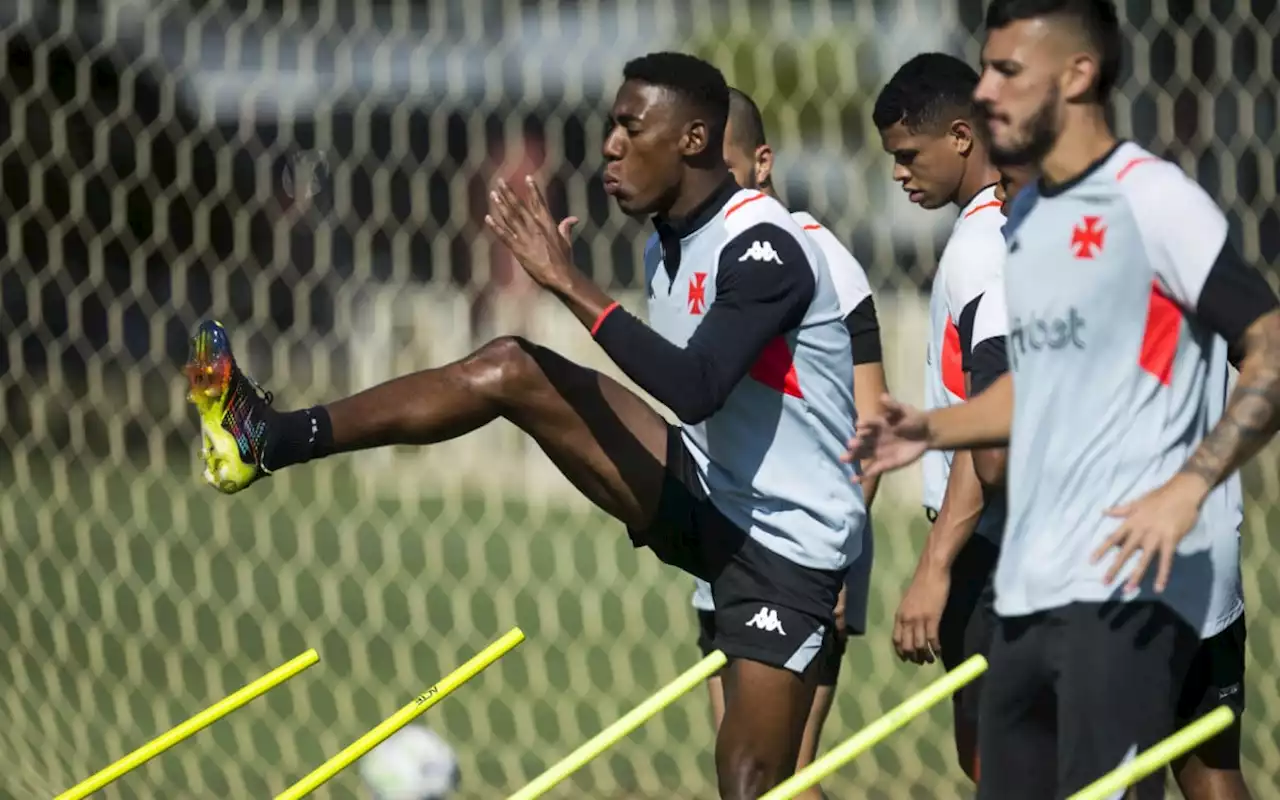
x,y
680,227
1053,191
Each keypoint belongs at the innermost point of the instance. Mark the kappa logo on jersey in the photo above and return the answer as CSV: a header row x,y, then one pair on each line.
x,y
698,293
761,251
1087,237
766,619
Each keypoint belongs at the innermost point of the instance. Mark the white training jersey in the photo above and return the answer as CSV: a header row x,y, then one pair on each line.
x,y
852,289
972,260
1122,291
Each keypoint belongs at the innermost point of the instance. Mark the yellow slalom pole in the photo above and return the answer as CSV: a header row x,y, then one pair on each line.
x,y
633,719
1180,743
879,730
404,716
194,725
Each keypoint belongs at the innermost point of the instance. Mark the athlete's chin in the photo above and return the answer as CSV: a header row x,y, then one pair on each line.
x,y
1013,155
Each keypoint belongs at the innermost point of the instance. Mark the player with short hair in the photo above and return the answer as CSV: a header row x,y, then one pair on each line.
x,y
1124,297
746,344
929,124
750,159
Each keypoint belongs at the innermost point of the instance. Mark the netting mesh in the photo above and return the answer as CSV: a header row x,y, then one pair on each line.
x,y
313,174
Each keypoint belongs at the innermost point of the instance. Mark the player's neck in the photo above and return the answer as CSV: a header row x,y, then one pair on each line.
x,y
1085,139
699,186
977,176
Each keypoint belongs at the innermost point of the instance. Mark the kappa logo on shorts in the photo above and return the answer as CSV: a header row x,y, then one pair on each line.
x,y
766,619
1227,691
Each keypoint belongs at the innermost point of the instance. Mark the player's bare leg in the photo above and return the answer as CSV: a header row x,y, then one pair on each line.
x,y
1199,781
759,740
607,441
823,699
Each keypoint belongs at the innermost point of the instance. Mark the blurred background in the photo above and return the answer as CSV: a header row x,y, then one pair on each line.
x,y
312,173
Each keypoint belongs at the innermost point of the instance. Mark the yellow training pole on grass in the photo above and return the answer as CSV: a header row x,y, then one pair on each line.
x,y
197,723
1182,742
633,719
879,730
404,716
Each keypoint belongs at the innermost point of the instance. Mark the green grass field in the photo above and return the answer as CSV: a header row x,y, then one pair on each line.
x,y
133,600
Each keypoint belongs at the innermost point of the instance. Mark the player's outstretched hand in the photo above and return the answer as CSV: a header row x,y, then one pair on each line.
x,y
891,441
1151,526
526,227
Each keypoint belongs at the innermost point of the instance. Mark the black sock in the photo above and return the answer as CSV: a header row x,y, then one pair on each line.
x,y
299,436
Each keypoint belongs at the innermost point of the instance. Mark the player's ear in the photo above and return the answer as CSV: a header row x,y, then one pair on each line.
x,y
763,164
695,138
1080,78
961,137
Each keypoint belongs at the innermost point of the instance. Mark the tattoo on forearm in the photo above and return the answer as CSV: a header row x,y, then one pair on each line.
x,y
1252,415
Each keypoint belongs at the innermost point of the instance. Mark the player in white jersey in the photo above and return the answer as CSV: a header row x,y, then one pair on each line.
x,y
930,126
1119,282
750,158
744,343
1216,676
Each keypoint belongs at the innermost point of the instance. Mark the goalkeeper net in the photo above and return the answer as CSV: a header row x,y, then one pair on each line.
x,y
313,174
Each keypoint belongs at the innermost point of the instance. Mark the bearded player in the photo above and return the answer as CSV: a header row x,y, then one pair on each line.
x,y
1125,298
746,345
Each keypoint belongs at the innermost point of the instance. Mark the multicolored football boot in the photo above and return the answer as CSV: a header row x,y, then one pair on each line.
x,y
234,411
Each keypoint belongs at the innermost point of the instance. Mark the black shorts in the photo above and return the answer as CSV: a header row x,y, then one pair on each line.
x,y
768,609
1216,678
1073,692
826,667
968,619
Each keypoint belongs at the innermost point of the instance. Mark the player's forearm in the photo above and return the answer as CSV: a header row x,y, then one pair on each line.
x,y
588,302
1252,415
983,421
958,518
869,386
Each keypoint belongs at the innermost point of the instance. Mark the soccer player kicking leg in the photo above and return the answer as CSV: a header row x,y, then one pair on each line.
x,y
1119,279
747,348
750,159
930,125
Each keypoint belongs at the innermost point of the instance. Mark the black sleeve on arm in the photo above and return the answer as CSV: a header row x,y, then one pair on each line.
x,y
965,328
864,332
1233,297
764,285
988,361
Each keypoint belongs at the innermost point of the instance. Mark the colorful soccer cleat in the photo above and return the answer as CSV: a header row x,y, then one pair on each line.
x,y
234,412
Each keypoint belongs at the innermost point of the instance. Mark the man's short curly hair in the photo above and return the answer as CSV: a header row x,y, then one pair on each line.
x,y
927,92
695,81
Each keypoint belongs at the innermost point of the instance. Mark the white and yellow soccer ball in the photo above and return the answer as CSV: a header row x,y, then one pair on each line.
x,y
414,763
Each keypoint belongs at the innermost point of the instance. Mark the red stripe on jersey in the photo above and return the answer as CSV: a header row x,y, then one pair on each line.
x,y
976,209
742,203
812,227
1160,339
1133,163
952,365
776,368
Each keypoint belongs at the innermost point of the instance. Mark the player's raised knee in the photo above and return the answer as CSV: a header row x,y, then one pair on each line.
x,y
506,369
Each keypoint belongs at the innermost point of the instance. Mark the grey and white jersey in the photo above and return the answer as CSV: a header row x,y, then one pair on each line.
x,y
972,260
1118,287
853,292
